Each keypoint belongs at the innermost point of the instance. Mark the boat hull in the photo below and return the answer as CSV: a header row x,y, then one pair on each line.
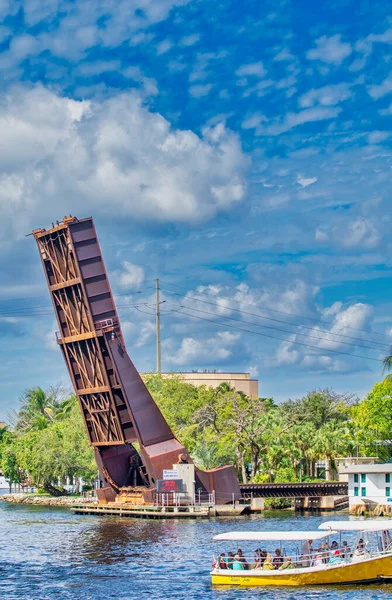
x,y
376,569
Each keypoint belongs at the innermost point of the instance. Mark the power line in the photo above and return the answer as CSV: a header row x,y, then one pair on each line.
x,y
280,339
278,329
280,321
285,313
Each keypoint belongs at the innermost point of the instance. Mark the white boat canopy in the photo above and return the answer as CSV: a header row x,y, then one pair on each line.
x,y
365,525
277,536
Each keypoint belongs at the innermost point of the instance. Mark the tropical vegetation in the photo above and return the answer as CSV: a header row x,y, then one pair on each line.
x,y
46,440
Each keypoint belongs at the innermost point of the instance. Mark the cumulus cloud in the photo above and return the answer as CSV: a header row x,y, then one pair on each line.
x,y
131,275
327,336
211,350
330,50
198,91
115,154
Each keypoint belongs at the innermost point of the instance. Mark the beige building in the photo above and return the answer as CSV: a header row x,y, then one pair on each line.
x,y
240,381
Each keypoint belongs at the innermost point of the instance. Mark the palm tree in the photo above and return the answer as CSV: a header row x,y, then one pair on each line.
x,y
387,362
37,410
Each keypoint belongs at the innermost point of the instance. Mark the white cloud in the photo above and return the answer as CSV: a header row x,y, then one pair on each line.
x,y
251,69
212,350
321,236
330,50
375,137
116,155
291,120
389,331
190,40
304,182
147,331
283,55
358,233
199,91
328,95
164,47
131,275
378,91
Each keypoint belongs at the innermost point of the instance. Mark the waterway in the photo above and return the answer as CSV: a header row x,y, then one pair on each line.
x,y
51,554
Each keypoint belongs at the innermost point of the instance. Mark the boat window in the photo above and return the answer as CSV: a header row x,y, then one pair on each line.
x,y
387,478
356,491
356,478
363,491
387,491
363,478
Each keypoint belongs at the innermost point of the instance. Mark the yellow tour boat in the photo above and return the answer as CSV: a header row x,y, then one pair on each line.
x,y
302,558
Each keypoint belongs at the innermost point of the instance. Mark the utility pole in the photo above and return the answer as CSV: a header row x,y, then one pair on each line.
x,y
158,327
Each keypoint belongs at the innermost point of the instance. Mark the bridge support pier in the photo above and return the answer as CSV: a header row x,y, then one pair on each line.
x,y
315,503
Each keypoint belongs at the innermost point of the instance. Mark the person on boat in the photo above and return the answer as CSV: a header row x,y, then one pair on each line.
x,y
278,559
242,559
237,564
360,549
257,559
288,564
230,560
346,550
268,566
335,558
222,561
318,560
306,552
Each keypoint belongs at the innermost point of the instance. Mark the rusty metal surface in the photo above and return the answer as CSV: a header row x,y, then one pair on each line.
x,y
117,408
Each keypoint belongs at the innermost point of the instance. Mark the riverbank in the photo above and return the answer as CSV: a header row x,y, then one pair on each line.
x,y
39,500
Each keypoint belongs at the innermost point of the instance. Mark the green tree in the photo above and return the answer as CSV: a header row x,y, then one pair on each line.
x,y
387,362
372,420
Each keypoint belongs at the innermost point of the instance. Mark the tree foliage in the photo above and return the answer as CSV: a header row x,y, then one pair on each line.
x,y
265,441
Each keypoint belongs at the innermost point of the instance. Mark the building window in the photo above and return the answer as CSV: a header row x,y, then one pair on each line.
x,y
356,491
387,478
363,478
363,491
356,478
387,491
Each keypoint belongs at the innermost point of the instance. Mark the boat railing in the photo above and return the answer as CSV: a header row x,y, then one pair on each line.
x,y
325,558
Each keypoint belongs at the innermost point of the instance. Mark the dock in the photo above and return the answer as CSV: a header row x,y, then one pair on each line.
x,y
159,512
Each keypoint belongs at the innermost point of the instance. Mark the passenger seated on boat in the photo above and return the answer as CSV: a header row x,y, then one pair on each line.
x,y
318,560
268,566
257,558
242,559
222,561
335,558
237,564
278,559
230,560
360,549
346,550
287,564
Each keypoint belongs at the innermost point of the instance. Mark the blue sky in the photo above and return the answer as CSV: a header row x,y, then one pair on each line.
x,y
239,152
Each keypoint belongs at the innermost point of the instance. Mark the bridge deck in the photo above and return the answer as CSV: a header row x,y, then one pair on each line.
x,y
294,490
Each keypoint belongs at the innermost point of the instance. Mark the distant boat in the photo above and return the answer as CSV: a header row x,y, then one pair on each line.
x,y
367,557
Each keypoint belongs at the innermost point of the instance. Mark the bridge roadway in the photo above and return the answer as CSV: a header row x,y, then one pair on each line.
x,y
294,490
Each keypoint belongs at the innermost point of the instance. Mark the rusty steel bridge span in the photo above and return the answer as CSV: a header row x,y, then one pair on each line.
x,y
132,441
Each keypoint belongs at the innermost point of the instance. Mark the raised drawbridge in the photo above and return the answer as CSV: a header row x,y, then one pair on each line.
x,y
133,443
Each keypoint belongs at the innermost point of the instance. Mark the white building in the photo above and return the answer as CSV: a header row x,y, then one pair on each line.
x,y
369,484
3,483
342,463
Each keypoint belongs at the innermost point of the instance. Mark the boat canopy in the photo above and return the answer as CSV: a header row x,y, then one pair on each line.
x,y
277,536
366,525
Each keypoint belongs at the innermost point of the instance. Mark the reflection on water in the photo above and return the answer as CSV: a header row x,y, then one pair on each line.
x,y
49,554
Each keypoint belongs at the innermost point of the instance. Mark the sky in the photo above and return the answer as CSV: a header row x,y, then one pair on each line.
x,y
239,152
